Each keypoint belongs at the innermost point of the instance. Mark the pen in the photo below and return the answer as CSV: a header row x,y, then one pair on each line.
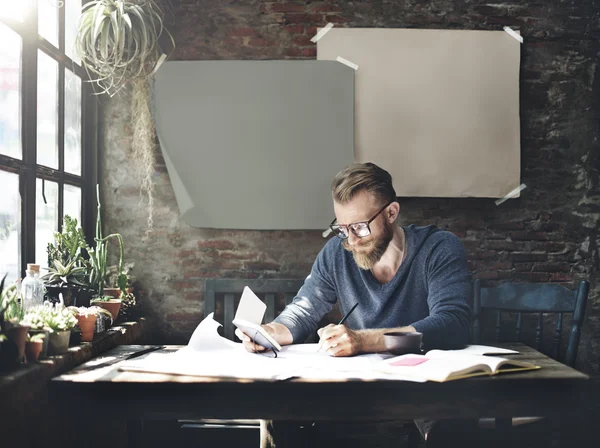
x,y
348,314
343,320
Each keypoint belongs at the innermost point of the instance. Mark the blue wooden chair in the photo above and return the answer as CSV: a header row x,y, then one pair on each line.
x,y
540,300
221,296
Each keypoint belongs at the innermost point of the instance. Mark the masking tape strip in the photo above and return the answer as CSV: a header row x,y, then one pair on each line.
x,y
511,194
347,62
326,232
513,33
161,59
322,32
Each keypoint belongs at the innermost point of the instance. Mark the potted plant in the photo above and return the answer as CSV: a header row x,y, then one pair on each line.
x,y
68,267
99,266
35,318
86,320
120,43
34,346
111,283
14,330
60,321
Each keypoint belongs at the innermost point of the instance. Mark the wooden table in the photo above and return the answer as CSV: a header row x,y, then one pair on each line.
x,y
97,385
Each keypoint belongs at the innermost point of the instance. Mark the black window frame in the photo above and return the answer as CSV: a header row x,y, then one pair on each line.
x,y
27,168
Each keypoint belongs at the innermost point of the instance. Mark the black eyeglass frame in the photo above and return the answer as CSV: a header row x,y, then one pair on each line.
x,y
336,228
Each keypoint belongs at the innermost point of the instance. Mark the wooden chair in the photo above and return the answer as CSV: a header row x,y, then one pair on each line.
x,y
222,296
539,299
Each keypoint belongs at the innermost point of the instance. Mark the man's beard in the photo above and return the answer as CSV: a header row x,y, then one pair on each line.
x,y
371,252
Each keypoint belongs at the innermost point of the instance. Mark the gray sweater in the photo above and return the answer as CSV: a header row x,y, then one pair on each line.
x,y
431,291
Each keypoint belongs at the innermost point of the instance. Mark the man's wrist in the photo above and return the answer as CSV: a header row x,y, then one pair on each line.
x,y
280,333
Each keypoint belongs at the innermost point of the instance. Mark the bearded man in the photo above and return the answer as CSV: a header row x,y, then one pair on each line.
x,y
404,278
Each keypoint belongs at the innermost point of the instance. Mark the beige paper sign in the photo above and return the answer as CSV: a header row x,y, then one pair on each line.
x,y
439,109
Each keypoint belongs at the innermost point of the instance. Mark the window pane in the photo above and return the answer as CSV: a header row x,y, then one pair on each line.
x,y
72,123
48,20
72,12
11,9
10,92
47,107
10,226
72,202
46,219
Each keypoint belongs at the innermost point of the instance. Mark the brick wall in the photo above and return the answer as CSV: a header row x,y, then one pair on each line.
x,y
549,234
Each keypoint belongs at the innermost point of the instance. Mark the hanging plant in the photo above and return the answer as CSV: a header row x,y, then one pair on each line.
x,y
121,43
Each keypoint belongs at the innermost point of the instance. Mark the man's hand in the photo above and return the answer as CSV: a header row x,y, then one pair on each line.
x,y
279,332
339,340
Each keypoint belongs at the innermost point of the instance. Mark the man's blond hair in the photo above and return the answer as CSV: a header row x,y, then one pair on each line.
x,y
363,176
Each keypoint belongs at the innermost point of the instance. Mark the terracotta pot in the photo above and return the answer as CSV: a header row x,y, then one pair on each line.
x,y
18,336
112,306
87,324
116,292
33,350
46,333
58,343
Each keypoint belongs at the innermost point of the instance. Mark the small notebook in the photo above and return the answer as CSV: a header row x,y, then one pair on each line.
x,y
249,316
442,366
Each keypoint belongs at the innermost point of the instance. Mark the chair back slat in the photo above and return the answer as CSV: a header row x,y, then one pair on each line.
x,y
557,335
270,312
228,313
573,345
534,298
289,298
538,331
529,297
498,320
229,291
518,329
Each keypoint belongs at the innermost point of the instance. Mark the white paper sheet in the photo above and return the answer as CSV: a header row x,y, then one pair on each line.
x,y
208,354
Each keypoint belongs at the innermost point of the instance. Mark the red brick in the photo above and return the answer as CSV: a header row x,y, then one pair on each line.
x,y
523,267
217,244
487,275
532,276
302,41
527,236
263,266
561,277
502,265
311,30
287,7
260,42
549,246
484,255
294,29
508,225
326,8
239,255
528,256
243,32
551,267
303,18
302,52
503,245
201,274
335,19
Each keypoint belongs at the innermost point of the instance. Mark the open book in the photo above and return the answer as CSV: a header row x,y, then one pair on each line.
x,y
248,318
441,366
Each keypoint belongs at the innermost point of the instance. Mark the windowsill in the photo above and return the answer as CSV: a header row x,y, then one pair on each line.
x,y
21,387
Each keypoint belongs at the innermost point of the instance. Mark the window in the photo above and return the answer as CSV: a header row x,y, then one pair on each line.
x,y
47,130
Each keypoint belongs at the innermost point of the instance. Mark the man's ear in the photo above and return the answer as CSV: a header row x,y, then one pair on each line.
x,y
393,211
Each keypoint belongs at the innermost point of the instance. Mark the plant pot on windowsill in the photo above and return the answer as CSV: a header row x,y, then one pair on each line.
x,y
17,335
33,350
109,304
58,342
46,333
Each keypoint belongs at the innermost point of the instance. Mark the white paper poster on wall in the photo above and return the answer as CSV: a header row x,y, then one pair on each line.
x,y
439,109
255,144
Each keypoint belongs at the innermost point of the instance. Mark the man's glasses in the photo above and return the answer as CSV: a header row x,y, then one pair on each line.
x,y
359,229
